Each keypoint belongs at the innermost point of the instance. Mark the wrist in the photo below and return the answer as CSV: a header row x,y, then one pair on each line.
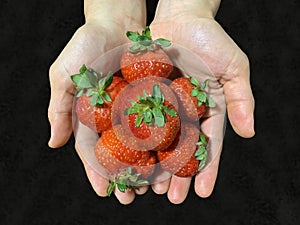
x,y
198,8
126,14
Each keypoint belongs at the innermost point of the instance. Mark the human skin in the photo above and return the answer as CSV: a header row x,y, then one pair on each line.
x,y
191,24
104,21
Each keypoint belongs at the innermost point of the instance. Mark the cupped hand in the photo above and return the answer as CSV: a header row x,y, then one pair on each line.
x,y
201,48
89,43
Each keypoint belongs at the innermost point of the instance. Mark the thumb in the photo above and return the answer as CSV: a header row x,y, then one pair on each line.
x,y
240,101
60,107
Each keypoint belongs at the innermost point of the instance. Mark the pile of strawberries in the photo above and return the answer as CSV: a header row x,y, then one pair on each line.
x,y
147,115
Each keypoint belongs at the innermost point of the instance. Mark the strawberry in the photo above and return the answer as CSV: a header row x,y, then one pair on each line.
x,y
124,164
146,57
182,158
192,96
152,119
96,94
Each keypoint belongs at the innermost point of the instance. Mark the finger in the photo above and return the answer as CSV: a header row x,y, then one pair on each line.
x,y
205,180
85,142
98,182
161,181
162,187
142,190
239,99
179,188
126,197
214,128
62,89
60,108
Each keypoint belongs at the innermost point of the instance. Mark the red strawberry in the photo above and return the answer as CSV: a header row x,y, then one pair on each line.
x,y
146,57
192,96
152,117
182,158
95,96
119,160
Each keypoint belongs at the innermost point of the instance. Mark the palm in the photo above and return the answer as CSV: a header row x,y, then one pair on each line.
x,y
88,46
201,48
88,43
205,38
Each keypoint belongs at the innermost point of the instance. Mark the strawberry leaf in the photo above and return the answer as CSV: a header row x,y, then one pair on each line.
x,y
89,92
194,92
134,177
201,152
80,93
144,41
150,100
105,81
202,164
110,188
159,119
210,102
82,69
142,182
195,82
135,48
205,84
76,78
171,112
200,157
150,108
122,187
131,110
203,139
156,93
81,81
93,84
143,48
147,32
132,36
124,180
148,116
106,97
201,96
91,76
163,43
94,99
139,120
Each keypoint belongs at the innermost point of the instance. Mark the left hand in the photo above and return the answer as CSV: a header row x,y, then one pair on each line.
x,y
216,56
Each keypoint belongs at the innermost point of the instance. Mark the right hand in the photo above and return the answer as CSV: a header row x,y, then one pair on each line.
x,y
89,42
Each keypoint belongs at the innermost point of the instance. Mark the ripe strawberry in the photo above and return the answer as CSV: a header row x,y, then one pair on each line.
x,y
146,57
182,158
152,119
124,164
95,96
192,96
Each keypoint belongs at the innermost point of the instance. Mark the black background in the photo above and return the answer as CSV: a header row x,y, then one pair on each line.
x,y
258,182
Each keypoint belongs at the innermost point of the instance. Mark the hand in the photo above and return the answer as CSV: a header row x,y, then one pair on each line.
x,y
100,33
190,24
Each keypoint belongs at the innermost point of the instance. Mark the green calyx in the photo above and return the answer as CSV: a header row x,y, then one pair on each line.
x,y
93,85
144,41
200,94
150,108
201,152
125,180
